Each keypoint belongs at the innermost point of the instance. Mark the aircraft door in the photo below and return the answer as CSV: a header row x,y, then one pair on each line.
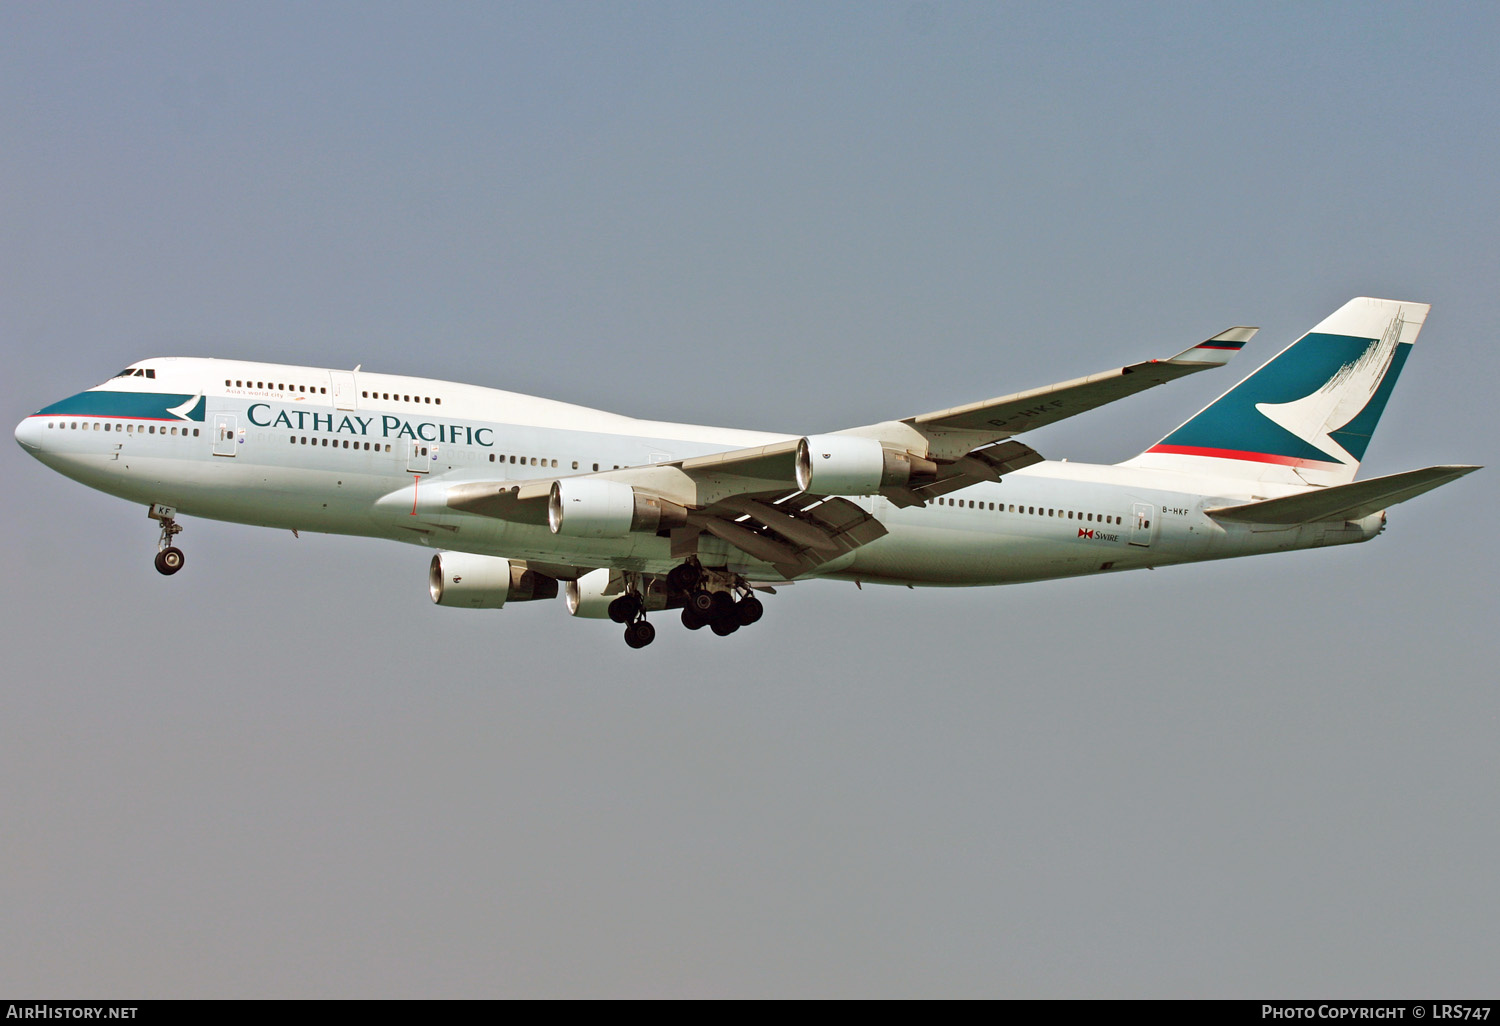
x,y
343,390
1142,523
420,456
224,434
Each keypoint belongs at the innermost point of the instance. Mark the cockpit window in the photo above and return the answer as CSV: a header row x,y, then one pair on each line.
x,y
137,372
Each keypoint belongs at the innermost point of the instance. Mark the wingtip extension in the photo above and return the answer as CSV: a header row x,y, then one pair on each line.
x,y
1219,349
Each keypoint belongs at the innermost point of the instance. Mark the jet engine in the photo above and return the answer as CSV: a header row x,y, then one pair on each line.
x,y
472,581
849,465
591,508
586,598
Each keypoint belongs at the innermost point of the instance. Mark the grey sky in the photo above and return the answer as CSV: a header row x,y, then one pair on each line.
x,y
284,772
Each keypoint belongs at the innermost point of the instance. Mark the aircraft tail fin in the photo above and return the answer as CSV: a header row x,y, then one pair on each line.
x,y
1307,414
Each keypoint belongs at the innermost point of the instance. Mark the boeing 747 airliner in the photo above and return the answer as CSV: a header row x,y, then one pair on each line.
x,y
523,496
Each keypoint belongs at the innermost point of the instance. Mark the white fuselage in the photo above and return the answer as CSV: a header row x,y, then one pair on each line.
x,y
374,454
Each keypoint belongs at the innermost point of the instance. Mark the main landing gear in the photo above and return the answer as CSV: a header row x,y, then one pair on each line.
x,y
720,612
630,609
720,601
716,599
169,558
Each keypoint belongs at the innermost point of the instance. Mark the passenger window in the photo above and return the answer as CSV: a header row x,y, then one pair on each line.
x,y
596,468
554,464
575,464
438,401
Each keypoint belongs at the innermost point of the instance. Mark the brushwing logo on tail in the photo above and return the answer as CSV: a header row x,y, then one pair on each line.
x,y
1313,405
1318,417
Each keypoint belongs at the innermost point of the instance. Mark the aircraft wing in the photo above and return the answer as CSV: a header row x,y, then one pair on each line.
x,y
753,503
948,434
784,503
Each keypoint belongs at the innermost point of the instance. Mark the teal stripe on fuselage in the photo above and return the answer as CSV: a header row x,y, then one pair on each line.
x,y
126,405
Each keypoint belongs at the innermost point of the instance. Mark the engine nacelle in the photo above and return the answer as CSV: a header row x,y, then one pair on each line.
x,y
849,465
583,507
586,598
471,581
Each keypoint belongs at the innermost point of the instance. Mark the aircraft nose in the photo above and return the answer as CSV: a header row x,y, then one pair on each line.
x,y
29,433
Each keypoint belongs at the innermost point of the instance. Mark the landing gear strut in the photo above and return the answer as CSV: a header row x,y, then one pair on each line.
x,y
169,558
630,609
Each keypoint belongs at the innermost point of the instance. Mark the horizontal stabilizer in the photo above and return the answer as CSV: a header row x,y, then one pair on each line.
x,y
1342,502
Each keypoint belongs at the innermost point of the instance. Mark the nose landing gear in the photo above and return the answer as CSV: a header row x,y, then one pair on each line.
x,y
169,558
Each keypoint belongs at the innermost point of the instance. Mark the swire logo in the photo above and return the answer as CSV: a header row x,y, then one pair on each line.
x,y
1085,534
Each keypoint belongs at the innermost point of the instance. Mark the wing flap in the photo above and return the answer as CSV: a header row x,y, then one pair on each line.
x,y
988,463
797,535
1351,501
